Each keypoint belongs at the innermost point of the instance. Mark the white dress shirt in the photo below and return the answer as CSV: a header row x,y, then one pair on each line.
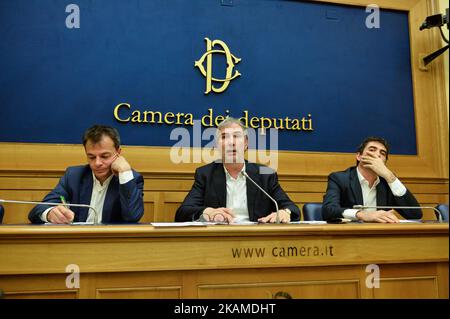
x,y
370,194
237,195
98,196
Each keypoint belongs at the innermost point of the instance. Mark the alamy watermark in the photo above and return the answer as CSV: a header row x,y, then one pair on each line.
x,y
188,147
373,279
73,279
73,19
373,19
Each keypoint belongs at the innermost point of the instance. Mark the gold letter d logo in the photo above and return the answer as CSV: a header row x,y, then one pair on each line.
x,y
231,62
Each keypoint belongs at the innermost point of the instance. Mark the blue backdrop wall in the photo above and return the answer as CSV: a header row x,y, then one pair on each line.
x,y
299,60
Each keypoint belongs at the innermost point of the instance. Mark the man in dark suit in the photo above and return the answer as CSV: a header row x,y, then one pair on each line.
x,y
370,183
107,183
222,193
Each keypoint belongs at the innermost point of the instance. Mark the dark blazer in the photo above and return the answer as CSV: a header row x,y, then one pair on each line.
x,y
344,191
2,210
210,190
123,203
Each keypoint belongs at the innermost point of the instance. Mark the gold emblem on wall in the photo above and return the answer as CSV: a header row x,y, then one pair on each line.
x,y
231,62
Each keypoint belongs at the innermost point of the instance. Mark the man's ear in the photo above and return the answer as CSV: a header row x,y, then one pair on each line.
x,y
119,150
358,156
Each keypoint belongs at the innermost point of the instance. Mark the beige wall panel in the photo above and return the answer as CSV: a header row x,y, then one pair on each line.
x,y
407,288
336,289
140,293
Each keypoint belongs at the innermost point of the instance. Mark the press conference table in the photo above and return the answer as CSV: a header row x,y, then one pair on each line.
x,y
225,261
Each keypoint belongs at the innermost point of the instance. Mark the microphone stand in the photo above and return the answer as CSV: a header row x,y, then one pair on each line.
x,y
51,204
261,189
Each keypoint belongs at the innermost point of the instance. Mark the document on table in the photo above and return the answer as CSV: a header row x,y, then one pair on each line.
x,y
76,223
313,222
243,223
184,224
238,223
410,221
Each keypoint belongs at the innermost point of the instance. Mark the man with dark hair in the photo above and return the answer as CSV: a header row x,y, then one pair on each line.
x,y
370,183
96,133
369,139
107,183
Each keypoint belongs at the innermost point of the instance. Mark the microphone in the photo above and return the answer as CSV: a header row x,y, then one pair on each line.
x,y
50,204
401,207
273,200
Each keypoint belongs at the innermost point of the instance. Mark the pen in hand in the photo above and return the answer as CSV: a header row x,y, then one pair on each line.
x,y
63,201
